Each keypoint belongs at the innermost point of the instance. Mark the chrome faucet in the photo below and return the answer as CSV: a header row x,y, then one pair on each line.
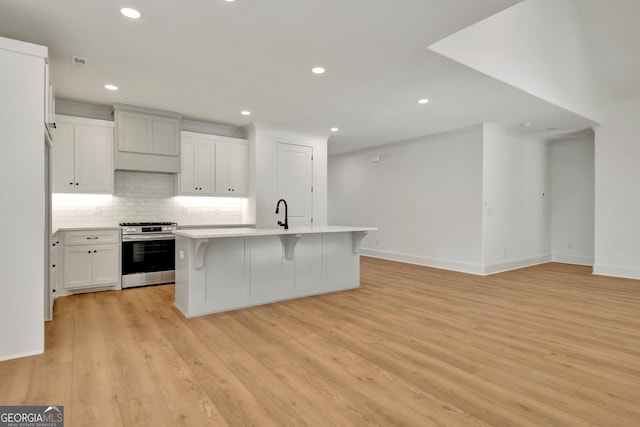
x,y
286,214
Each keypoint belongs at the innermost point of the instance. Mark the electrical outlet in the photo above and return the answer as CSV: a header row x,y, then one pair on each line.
x,y
98,210
505,251
185,209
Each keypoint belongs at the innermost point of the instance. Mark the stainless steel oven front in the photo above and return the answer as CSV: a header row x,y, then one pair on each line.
x,y
148,254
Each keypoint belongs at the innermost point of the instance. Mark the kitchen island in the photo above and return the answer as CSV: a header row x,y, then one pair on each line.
x,y
225,269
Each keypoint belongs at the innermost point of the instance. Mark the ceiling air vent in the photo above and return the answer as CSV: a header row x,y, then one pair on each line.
x,y
79,62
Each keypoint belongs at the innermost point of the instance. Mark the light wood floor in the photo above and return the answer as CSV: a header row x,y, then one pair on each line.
x,y
547,345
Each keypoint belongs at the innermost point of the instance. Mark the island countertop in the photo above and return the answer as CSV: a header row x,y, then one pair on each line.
x,y
212,233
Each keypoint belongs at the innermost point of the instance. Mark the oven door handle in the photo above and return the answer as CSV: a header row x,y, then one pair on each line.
x,y
143,238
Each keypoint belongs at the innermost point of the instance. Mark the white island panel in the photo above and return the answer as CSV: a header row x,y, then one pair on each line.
x,y
310,264
266,266
226,275
220,270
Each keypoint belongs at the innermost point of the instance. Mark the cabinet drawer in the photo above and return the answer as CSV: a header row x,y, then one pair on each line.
x,y
91,237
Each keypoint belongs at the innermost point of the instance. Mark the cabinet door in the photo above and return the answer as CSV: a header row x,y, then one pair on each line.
x,y
231,168
187,166
197,176
106,264
78,267
204,162
133,132
62,159
165,136
222,168
238,168
94,159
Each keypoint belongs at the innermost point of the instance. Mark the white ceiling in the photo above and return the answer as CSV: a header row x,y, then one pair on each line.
x,y
211,59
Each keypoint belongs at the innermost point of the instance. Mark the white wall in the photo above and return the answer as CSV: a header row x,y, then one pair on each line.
x,y
536,46
572,200
425,196
262,173
142,196
617,198
22,189
516,201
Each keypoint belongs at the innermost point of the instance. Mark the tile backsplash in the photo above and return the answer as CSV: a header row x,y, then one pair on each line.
x,y
140,196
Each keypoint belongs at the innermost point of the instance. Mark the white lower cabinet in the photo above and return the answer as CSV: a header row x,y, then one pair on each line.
x,y
91,265
54,272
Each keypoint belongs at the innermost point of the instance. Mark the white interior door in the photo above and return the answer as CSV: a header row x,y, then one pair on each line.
x,y
295,182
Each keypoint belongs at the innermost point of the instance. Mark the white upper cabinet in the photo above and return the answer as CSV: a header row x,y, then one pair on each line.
x,y
213,165
231,168
146,139
82,156
148,134
197,156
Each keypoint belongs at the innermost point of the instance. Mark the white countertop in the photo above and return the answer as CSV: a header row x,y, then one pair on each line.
x,y
212,233
62,229
118,227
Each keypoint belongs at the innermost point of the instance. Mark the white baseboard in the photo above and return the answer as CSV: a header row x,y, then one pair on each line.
x,y
572,259
515,264
445,264
616,271
18,356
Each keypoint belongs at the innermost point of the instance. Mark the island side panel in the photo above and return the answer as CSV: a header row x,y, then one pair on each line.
x,y
340,261
227,275
182,274
309,269
267,277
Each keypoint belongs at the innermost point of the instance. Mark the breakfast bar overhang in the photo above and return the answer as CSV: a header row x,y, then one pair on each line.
x,y
225,269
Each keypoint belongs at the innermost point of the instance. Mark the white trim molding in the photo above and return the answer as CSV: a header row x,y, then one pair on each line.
x,y
616,271
445,264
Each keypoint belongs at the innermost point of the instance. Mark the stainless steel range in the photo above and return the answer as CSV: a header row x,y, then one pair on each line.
x,y
148,253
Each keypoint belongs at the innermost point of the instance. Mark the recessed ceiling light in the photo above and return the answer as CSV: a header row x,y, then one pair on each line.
x,y
334,129
111,87
130,13
229,1
317,70
245,112
423,101
525,125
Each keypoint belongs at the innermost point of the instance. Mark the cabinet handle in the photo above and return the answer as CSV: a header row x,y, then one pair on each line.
x,y
53,265
95,252
88,252
92,238
77,183
71,183
53,125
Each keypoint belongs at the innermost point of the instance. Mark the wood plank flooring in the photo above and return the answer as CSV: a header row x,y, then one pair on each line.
x,y
547,345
